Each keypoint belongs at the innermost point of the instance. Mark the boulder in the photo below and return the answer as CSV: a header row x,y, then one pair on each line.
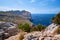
x,y
8,29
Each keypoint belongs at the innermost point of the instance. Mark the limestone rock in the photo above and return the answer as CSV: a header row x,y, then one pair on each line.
x,y
47,34
8,29
16,37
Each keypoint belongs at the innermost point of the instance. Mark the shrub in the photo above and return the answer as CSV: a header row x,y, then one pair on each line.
x,y
33,29
25,27
56,19
38,28
41,27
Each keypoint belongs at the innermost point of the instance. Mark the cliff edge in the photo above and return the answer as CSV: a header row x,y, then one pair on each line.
x,y
16,16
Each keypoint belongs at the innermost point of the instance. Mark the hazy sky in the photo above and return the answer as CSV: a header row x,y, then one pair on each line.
x,y
34,6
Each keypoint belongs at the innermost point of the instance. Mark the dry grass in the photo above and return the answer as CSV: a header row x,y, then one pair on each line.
x,y
21,35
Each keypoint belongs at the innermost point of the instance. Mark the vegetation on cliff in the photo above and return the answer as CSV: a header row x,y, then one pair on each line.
x,y
39,27
26,28
56,19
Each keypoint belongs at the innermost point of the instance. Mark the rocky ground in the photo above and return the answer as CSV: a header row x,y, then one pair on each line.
x,y
48,34
7,29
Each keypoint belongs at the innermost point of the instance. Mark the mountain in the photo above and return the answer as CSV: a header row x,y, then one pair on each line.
x,y
16,16
23,13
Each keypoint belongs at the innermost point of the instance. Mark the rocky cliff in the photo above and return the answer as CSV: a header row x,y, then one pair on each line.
x,y
16,16
8,29
23,13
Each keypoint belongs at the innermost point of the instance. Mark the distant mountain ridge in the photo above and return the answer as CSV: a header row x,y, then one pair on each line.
x,y
16,16
23,13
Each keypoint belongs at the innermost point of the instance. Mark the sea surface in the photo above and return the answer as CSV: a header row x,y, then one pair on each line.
x,y
44,19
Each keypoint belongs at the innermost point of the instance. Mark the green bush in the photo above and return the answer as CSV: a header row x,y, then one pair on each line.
x,y
38,28
25,27
33,29
56,19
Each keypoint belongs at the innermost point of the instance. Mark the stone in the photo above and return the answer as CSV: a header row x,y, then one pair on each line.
x,y
47,38
47,34
8,29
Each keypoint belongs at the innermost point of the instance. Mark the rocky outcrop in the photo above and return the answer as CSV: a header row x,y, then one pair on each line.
x,y
7,29
23,14
16,17
35,36
16,37
48,34
19,36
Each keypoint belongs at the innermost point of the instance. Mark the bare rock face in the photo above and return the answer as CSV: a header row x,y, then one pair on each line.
x,y
8,29
32,36
16,37
25,14
18,17
11,14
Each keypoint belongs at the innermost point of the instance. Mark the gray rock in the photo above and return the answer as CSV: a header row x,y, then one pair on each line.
x,y
1,34
8,29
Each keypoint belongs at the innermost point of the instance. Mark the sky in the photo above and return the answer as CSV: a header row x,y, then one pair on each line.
x,y
33,6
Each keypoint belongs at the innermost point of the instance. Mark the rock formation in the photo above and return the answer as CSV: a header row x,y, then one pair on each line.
x,y
16,16
23,14
17,37
7,29
48,34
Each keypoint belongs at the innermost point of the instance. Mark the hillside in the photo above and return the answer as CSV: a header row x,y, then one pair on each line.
x,y
16,16
23,13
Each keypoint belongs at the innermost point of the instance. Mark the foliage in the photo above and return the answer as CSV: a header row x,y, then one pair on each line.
x,y
56,19
33,29
38,28
25,27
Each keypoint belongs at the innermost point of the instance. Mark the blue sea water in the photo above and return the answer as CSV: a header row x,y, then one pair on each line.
x,y
44,19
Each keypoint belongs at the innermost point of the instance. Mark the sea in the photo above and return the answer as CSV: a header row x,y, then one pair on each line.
x,y
44,19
